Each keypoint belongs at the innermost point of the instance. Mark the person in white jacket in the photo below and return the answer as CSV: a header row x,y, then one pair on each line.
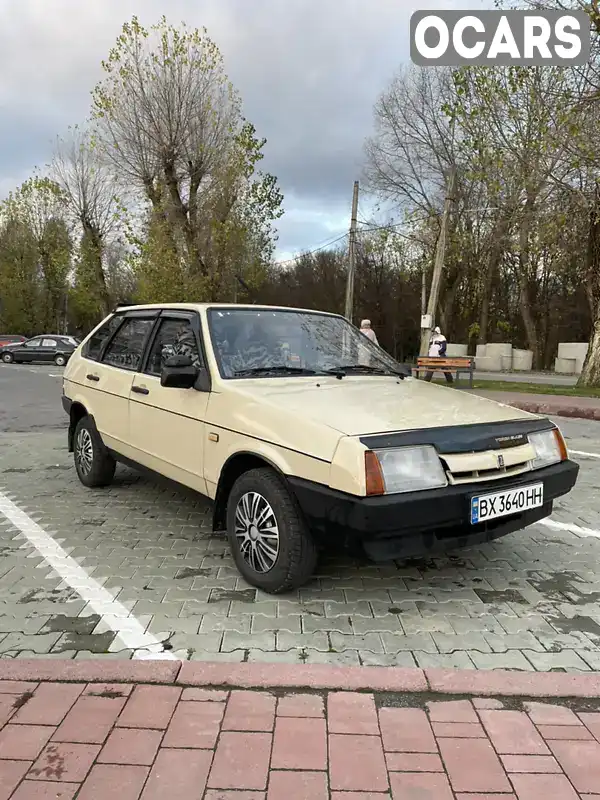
x,y
437,349
365,327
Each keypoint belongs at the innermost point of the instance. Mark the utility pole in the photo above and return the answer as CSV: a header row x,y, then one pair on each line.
x,y
352,256
438,265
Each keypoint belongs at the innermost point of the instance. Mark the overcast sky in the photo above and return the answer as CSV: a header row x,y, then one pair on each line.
x,y
309,72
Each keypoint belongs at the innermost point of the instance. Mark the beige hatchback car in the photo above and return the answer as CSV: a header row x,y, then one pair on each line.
x,y
304,434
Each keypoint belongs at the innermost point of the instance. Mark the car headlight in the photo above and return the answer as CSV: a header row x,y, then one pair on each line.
x,y
403,469
549,446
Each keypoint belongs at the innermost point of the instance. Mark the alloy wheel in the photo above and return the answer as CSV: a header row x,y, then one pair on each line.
x,y
84,451
257,532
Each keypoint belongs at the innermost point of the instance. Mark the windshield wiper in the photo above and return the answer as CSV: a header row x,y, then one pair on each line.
x,y
346,369
281,368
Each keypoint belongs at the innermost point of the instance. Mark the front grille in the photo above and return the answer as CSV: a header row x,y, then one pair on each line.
x,y
488,465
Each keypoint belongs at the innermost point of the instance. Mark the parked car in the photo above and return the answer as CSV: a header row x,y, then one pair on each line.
x,y
10,339
304,433
45,348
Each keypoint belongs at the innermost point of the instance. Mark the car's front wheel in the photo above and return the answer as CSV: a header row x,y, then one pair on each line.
x,y
60,360
94,465
270,541
8,358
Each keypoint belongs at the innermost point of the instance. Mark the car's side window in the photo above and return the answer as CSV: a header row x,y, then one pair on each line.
x,y
127,346
33,343
93,347
49,343
174,337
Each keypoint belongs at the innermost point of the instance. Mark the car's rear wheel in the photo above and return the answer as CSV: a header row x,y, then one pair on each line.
x,y
270,541
60,360
8,358
94,465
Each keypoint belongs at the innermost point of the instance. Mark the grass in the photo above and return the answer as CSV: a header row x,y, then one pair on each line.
x,y
528,388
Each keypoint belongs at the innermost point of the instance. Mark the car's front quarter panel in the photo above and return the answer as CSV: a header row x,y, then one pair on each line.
x,y
348,467
237,423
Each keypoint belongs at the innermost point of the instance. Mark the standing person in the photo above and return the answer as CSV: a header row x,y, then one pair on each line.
x,y
437,349
365,327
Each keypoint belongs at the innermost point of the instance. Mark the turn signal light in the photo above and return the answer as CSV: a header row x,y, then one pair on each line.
x,y
562,447
374,475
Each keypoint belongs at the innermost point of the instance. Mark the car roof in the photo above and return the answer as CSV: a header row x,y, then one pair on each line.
x,y
220,307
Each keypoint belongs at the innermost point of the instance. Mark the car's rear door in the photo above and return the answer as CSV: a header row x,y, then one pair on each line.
x,y
111,377
167,424
47,350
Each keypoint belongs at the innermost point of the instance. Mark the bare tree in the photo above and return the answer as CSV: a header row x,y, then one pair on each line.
x,y
414,143
166,117
91,192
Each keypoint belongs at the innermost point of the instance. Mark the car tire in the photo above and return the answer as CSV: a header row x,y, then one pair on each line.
x,y
281,541
8,358
94,465
60,360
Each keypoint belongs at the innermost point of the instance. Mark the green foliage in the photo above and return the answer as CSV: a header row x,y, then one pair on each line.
x,y
168,118
474,330
35,258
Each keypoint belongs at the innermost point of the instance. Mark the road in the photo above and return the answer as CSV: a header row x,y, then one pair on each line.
x,y
112,573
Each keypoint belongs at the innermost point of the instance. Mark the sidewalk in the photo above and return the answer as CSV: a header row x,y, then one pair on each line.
x,y
297,736
547,404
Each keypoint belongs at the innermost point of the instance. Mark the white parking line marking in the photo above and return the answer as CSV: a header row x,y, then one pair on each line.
x,y
571,528
115,616
583,453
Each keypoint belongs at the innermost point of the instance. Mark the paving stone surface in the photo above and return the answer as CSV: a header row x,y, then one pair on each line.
x,y
529,601
282,745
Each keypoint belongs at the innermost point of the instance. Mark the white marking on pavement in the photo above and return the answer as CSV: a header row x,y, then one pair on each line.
x,y
583,453
115,616
571,528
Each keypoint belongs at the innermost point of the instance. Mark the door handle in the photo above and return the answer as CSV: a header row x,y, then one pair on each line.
x,y
140,390
92,377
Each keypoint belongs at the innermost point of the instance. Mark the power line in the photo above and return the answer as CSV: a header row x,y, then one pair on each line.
x,y
310,252
373,228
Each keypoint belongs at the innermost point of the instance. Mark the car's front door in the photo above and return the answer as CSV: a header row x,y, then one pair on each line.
x,y
28,351
167,424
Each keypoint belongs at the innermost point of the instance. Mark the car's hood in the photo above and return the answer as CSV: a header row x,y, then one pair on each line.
x,y
365,405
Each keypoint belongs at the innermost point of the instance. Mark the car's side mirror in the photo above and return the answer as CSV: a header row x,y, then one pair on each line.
x,y
179,373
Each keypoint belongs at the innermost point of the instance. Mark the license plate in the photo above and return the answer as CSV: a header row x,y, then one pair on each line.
x,y
503,504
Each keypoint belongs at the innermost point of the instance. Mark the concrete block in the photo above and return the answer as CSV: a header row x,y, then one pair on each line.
x,y
565,366
499,349
487,364
455,350
522,360
575,350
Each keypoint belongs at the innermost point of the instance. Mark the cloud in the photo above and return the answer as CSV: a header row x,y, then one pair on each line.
x,y
309,72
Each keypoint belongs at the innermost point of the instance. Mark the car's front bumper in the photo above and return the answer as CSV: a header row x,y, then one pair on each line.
x,y
416,523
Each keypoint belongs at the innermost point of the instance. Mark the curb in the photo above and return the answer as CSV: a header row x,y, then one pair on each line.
x,y
486,683
544,406
546,409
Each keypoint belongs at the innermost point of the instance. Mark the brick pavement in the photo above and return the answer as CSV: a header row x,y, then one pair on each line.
x,y
93,740
530,601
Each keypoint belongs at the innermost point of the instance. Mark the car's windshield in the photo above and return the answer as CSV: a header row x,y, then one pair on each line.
x,y
271,343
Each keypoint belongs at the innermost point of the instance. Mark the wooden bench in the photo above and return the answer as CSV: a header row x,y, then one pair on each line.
x,y
458,365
